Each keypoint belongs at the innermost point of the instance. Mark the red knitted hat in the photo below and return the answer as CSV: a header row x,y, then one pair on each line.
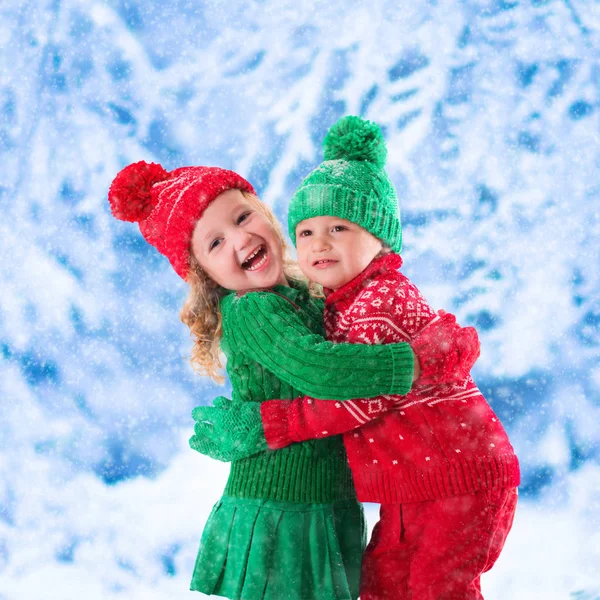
x,y
166,205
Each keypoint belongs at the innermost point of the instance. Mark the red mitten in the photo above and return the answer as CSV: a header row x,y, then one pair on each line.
x,y
468,345
445,350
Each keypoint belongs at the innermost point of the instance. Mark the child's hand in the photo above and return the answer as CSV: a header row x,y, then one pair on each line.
x,y
469,349
228,430
445,351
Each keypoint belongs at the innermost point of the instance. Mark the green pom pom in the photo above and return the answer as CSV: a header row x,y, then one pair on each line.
x,y
353,138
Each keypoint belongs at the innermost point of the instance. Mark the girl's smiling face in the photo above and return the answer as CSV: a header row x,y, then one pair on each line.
x,y
333,251
237,246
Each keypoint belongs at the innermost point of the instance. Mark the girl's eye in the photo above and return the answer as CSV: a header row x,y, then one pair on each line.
x,y
214,244
243,217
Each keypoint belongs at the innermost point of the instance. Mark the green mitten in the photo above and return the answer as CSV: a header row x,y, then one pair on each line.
x,y
228,430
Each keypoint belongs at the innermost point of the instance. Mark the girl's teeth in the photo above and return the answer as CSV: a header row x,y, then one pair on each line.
x,y
252,256
258,264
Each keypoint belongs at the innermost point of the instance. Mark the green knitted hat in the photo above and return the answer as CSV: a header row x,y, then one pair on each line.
x,y
351,184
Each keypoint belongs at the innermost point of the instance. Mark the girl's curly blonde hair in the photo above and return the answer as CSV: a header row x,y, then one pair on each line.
x,y
201,311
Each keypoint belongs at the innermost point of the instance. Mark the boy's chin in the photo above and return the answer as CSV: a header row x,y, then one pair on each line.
x,y
331,283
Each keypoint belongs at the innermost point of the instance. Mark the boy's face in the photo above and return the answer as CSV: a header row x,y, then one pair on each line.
x,y
333,251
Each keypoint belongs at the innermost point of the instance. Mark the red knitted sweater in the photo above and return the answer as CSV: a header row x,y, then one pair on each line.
x,y
437,441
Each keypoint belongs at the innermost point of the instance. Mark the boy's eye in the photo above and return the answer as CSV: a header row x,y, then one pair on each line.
x,y
243,217
214,244
339,228
305,233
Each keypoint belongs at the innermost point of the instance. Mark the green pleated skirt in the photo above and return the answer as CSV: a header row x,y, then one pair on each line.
x,y
254,549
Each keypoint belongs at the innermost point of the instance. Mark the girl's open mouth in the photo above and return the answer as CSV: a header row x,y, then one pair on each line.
x,y
256,260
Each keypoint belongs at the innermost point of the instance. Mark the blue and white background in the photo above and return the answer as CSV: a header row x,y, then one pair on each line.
x,y
491,113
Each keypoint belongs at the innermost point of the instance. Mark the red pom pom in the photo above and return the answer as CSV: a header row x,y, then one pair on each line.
x,y
129,194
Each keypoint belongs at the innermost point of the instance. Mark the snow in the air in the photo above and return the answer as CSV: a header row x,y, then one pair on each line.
x,y
491,112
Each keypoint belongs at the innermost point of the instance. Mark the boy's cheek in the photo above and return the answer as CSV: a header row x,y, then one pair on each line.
x,y
302,259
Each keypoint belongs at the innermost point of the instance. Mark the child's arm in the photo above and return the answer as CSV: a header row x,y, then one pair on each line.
x,y
448,354
268,329
230,430
447,350
288,421
245,428
393,311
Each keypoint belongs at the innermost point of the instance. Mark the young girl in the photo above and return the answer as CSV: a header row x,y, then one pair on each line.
x,y
440,464
288,526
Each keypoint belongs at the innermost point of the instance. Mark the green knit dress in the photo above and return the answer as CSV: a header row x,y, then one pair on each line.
x,y
288,526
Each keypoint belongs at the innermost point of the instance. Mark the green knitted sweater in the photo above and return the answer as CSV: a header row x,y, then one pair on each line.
x,y
275,349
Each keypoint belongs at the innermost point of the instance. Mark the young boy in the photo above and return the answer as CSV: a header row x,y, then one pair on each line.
x,y
440,463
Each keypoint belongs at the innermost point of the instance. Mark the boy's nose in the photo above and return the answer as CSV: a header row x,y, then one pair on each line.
x,y
320,244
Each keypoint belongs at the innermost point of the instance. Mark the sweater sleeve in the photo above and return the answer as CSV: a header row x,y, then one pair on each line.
x,y
269,329
289,421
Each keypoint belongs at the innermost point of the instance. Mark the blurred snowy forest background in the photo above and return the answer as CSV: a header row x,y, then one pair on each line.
x,y
491,113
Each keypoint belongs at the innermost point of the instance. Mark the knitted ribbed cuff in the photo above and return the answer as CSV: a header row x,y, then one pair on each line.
x,y
276,418
395,486
403,361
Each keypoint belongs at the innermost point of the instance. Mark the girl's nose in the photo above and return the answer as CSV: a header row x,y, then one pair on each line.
x,y
242,240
